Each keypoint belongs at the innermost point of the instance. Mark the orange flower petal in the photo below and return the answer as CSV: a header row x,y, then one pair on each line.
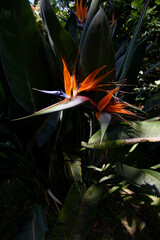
x,y
90,81
117,107
105,101
82,11
67,79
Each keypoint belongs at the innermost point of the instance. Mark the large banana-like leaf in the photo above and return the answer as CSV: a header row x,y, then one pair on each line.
x,y
78,211
97,49
59,38
23,54
123,134
147,179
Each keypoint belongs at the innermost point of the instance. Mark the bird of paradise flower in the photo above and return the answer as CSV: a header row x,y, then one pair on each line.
x,y
73,95
106,107
73,89
115,107
81,11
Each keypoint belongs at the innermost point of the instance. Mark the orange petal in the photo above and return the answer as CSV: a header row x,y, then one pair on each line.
x,y
82,11
99,79
104,101
67,79
74,82
117,107
89,81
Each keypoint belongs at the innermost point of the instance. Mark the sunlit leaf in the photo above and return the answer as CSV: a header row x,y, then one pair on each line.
x,y
147,179
121,135
73,168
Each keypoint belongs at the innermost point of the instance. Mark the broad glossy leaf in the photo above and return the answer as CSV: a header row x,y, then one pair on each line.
x,y
59,38
148,180
122,135
97,49
78,211
23,54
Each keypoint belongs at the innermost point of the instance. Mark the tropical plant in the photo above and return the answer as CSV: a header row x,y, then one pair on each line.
x,y
78,151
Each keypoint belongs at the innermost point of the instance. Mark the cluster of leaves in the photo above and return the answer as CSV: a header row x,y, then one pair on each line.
x,y
67,157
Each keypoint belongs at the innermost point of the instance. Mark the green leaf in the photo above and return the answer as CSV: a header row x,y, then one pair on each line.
x,y
132,45
99,35
71,26
122,135
104,119
133,71
157,2
94,7
47,129
147,179
35,229
152,102
39,223
63,105
73,168
82,203
59,38
23,54
150,69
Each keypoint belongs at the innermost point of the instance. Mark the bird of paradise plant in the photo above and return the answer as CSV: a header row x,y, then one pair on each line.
x,y
54,145
81,11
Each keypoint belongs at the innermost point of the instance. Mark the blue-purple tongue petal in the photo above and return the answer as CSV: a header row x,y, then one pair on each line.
x,y
57,93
